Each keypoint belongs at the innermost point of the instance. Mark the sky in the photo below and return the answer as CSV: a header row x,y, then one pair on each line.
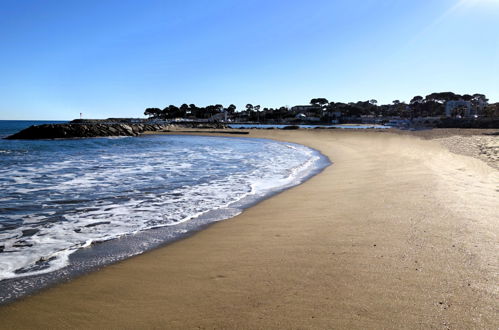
x,y
115,58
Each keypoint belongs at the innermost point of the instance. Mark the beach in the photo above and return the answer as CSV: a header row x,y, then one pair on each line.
x,y
401,231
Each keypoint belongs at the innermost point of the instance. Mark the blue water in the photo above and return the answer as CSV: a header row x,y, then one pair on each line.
x,y
8,127
58,197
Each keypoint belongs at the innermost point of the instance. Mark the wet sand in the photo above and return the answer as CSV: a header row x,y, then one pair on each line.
x,y
398,233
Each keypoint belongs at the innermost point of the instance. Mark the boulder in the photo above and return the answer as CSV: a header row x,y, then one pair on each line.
x,y
98,129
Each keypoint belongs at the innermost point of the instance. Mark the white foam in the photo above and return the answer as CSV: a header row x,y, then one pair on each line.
x,y
111,195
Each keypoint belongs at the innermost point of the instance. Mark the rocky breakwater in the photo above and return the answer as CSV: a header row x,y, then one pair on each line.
x,y
82,130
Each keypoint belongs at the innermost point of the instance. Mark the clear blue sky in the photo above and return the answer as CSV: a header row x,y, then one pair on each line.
x,y
115,58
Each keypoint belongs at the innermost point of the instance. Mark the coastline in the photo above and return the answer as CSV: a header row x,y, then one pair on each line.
x,y
399,232
102,253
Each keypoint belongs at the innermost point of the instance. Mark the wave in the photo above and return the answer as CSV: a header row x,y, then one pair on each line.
x,y
59,202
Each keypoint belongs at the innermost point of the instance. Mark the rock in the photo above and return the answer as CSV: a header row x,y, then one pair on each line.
x,y
64,131
29,232
291,127
78,129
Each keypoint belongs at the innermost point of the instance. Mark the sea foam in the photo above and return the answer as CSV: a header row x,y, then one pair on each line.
x,y
63,196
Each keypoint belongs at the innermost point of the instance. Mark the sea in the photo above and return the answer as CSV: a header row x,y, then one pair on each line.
x,y
70,206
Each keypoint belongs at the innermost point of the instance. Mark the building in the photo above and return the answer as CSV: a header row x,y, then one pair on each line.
x,y
458,108
335,116
461,108
303,117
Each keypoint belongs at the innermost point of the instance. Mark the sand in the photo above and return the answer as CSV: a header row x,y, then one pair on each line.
x,y
398,233
482,144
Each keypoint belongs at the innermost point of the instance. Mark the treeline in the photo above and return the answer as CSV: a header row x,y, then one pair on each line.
x,y
432,105
191,110
194,112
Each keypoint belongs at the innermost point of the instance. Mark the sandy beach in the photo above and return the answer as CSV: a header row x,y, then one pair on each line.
x,y
400,232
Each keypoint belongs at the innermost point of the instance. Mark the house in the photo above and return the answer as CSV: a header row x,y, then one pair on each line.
x,y
304,117
464,108
221,116
335,116
458,108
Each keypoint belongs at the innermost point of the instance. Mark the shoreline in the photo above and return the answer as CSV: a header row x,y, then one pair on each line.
x,y
101,254
376,240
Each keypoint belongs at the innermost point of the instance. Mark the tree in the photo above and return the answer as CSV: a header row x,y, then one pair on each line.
x,y
396,109
219,108
479,102
170,112
415,105
257,109
442,97
231,109
321,102
283,112
480,98
211,110
184,108
196,112
153,112
492,110
165,113
416,100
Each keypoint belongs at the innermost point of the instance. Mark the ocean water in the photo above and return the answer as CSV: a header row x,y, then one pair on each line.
x,y
58,198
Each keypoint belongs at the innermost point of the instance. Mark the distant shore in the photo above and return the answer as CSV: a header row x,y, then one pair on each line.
x,y
399,232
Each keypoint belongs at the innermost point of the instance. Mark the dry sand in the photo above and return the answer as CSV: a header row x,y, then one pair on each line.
x,y
397,233
479,143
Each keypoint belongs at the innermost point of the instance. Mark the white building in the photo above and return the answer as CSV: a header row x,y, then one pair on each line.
x,y
464,108
452,107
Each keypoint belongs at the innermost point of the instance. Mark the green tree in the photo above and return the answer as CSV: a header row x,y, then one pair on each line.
x,y
479,98
416,100
257,109
321,102
211,110
415,105
152,112
219,108
171,112
184,108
